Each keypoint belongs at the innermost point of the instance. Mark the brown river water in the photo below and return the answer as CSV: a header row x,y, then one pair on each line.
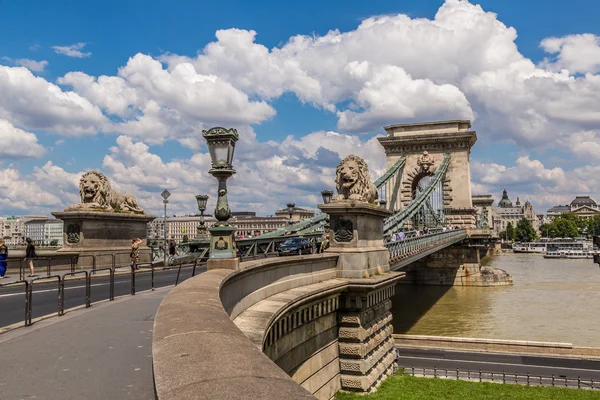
x,y
551,300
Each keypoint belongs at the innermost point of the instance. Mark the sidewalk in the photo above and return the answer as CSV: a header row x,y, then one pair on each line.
x,y
103,352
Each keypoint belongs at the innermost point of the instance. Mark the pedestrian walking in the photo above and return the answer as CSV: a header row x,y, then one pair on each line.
x,y
172,247
324,244
135,253
3,257
30,256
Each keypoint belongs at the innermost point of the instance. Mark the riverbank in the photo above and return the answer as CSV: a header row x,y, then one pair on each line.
x,y
550,301
406,387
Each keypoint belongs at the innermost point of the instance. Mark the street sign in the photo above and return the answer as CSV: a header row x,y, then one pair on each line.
x,y
165,194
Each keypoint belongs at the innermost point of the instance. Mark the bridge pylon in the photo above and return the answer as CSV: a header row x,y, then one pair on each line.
x,y
425,147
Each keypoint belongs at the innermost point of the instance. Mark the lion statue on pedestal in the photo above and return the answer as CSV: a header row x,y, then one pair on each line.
x,y
96,193
353,182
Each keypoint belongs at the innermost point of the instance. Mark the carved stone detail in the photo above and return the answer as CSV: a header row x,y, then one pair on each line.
x,y
353,181
97,195
73,233
343,230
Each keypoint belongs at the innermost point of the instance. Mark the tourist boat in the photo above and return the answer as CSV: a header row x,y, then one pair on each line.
x,y
571,254
546,245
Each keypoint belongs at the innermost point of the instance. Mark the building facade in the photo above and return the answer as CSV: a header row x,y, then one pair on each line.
x,y
12,229
298,214
178,227
582,206
506,212
254,226
45,232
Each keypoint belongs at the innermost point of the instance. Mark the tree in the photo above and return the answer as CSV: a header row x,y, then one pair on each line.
x,y
185,239
54,242
593,225
509,232
565,227
525,231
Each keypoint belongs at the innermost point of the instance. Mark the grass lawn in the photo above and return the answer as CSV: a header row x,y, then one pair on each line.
x,y
406,387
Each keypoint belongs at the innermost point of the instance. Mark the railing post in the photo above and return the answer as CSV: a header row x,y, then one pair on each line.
x,y
27,304
88,290
61,300
552,379
132,281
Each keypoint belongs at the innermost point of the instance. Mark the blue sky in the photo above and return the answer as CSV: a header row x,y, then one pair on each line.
x,y
528,146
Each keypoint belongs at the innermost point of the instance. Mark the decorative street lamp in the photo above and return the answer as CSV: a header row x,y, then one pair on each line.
x,y
290,210
221,145
327,195
202,199
165,195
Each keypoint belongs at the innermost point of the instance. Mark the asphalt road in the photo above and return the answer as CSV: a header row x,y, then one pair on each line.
x,y
447,362
45,295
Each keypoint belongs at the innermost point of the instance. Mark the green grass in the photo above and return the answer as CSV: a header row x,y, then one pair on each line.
x,y
406,387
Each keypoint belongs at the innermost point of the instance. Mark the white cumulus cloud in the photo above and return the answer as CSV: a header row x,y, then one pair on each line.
x,y
73,50
17,142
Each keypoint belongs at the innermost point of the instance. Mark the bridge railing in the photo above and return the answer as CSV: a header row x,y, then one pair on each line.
x,y
418,243
58,283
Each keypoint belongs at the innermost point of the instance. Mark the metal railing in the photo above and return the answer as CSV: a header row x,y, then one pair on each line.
x,y
414,244
88,276
504,377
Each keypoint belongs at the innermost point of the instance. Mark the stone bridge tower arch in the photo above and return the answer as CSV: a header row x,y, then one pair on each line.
x,y
423,145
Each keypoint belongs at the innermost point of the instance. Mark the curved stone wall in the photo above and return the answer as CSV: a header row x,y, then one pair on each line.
x,y
277,320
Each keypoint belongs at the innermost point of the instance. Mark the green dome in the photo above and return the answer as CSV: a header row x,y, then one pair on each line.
x,y
505,202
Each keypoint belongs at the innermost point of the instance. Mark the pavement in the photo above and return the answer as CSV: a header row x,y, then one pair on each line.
x,y
98,353
509,364
44,299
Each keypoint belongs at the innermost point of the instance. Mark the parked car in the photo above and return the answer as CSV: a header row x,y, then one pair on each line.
x,y
296,246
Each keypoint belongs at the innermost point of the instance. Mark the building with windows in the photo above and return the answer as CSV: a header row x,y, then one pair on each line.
x,y
298,214
583,206
507,212
178,227
254,226
12,229
45,232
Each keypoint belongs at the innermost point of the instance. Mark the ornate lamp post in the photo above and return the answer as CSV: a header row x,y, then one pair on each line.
x,y
290,210
221,145
327,195
202,199
165,195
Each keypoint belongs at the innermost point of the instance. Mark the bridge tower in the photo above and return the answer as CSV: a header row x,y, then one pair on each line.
x,y
425,147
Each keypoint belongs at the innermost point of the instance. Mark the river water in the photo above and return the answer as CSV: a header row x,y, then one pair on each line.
x,y
551,300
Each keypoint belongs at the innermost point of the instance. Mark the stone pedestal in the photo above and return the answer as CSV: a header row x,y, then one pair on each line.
x,y
366,344
98,234
222,250
357,236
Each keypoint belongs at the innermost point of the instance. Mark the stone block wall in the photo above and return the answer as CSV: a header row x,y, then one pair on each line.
x,y
455,266
365,338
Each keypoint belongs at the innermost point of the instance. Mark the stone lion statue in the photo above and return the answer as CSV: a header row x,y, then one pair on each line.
x,y
96,193
353,182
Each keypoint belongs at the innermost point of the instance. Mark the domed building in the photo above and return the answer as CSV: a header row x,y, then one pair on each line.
x,y
583,206
507,212
505,201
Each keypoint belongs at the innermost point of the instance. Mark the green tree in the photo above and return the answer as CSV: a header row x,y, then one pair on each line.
x,y
593,225
524,231
54,243
565,227
509,233
581,223
185,239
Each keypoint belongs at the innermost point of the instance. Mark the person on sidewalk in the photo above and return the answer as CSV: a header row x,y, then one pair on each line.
x,y
135,253
324,244
3,257
172,247
30,256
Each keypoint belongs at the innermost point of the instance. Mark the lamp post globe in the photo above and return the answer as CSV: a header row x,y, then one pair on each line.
x,y
327,195
201,199
290,210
